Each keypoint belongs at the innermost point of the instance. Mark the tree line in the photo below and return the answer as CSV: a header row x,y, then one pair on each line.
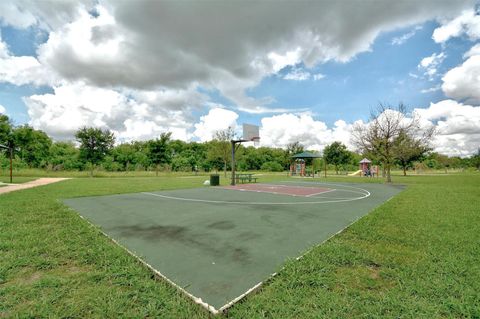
x,y
400,146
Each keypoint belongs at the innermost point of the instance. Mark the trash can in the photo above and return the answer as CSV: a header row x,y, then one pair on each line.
x,y
214,180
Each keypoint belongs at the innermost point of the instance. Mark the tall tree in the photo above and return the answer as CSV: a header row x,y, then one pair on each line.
x,y
64,156
475,160
5,129
223,148
386,125
7,140
33,145
292,149
408,149
337,154
95,144
159,151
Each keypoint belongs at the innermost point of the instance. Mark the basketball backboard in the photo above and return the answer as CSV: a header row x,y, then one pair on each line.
x,y
251,132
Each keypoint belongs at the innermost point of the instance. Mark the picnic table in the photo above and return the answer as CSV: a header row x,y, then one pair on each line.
x,y
245,177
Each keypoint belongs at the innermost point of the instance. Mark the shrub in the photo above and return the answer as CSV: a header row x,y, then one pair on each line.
x,y
272,167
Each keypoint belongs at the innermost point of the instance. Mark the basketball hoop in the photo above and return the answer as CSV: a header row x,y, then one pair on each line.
x,y
251,133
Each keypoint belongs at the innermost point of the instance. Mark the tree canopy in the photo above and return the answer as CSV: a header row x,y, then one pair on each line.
x,y
337,154
95,144
386,127
158,150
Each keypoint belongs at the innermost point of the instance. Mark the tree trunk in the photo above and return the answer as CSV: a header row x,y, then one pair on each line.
x,y
389,177
225,168
156,169
336,169
404,171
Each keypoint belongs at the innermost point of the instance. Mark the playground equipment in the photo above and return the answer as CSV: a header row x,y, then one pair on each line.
x,y
359,173
366,168
298,166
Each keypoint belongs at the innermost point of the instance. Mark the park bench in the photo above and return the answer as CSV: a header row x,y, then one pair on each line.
x,y
245,178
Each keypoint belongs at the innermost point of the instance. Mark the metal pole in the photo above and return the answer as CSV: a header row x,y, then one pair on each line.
x,y
233,163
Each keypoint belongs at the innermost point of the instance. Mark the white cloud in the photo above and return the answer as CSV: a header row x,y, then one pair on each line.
x,y
227,46
432,89
281,130
3,110
45,14
475,50
430,64
467,23
463,82
130,115
297,75
404,37
457,129
280,61
457,125
20,70
216,120
413,75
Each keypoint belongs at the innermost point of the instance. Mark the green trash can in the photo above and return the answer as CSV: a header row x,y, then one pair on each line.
x,y
214,180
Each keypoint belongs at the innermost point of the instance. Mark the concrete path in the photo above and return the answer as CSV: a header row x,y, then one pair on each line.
x,y
31,184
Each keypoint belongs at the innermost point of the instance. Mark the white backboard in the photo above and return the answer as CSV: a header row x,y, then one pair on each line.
x,y
251,132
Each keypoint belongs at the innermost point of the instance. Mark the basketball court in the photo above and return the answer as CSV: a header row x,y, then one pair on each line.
x,y
217,244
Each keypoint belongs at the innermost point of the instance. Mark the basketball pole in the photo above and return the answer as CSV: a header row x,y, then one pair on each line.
x,y
234,148
233,163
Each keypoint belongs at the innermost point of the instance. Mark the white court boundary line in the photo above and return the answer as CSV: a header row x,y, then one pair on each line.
x,y
156,272
358,190
279,186
329,191
256,203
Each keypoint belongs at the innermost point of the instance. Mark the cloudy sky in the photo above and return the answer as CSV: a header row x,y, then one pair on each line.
x,y
301,70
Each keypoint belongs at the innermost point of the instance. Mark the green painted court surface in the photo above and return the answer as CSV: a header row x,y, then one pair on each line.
x,y
217,243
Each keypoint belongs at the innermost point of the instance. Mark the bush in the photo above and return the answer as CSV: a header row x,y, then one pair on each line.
x,y
272,167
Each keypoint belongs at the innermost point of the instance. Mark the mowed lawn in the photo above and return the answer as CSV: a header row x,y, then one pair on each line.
x,y
416,256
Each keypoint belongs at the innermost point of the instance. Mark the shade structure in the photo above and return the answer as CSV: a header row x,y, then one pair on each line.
x,y
365,160
306,155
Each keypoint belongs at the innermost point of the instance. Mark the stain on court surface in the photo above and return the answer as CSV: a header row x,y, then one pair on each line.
x,y
153,232
223,225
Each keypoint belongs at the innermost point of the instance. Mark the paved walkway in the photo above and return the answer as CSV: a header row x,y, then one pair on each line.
x,y
31,184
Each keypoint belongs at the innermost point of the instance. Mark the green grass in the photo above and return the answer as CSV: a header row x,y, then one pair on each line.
x,y
416,256
36,172
16,180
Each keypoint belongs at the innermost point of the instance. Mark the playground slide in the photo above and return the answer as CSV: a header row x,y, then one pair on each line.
x,y
359,172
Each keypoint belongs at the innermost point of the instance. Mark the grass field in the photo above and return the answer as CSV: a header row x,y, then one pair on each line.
x,y
16,180
416,256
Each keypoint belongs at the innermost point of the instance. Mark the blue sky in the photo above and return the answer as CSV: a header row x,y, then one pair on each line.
x,y
110,69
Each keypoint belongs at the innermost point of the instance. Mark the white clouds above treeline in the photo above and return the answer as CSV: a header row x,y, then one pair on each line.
x,y
457,129
136,67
